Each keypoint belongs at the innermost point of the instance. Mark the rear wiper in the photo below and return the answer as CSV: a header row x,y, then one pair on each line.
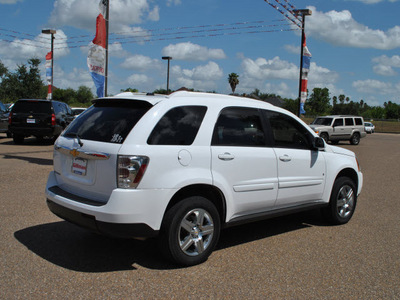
x,y
75,135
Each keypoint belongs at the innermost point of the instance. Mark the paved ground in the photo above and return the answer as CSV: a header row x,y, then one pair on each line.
x,y
295,257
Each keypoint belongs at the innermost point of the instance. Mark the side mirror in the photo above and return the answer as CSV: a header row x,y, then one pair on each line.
x,y
319,143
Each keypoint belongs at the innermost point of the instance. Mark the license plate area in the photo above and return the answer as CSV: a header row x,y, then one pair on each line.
x,y
79,166
30,121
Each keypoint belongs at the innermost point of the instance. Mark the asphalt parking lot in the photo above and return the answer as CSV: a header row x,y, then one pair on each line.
x,y
293,257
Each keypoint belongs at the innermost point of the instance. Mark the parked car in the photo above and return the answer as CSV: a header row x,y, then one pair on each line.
x,y
369,127
40,118
76,111
339,128
4,112
182,167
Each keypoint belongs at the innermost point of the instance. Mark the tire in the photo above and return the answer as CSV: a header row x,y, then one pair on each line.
x,y
325,136
18,139
342,203
355,139
190,231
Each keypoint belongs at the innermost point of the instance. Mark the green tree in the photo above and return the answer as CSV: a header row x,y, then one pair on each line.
x,y
25,82
130,90
233,80
84,94
318,102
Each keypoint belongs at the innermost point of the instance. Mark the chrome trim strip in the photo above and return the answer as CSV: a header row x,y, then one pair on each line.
x,y
82,154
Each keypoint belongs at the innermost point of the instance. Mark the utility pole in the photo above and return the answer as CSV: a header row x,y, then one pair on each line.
x,y
52,32
106,67
167,58
303,13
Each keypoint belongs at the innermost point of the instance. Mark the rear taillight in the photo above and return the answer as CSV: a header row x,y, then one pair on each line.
x,y
9,118
131,170
53,119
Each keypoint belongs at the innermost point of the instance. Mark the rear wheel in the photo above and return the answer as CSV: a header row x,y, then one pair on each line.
x,y
18,139
190,231
342,202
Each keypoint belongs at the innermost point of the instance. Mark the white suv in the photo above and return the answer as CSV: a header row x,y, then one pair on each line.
x,y
184,166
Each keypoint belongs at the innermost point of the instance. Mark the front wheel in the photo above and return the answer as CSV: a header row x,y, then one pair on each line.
x,y
342,202
355,139
190,231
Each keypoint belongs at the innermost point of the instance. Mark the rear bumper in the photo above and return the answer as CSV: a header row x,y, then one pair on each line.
x,y
41,131
110,229
127,213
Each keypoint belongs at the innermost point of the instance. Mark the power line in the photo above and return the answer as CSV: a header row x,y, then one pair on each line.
x,y
209,30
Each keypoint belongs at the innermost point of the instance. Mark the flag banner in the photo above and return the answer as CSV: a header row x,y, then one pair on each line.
x,y
103,7
96,59
49,73
304,76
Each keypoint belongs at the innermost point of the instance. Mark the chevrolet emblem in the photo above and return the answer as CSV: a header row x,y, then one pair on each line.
x,y
74,152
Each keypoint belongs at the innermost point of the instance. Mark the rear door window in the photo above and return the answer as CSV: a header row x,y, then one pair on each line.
x,y
349,121
239,127
179,126
108,120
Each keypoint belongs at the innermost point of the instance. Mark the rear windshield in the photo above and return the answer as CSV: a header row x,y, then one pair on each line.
x,y
108,120
32,106
322,121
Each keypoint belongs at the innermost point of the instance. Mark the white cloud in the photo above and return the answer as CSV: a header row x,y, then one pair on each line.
x,y
321,76
140,62
377,87
138,79
374,1
384,65
83,13
9,1
176,2
339,28
192,52
292,49
200,78
20,50
275,68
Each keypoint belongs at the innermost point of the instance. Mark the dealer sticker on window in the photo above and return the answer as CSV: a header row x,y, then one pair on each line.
x,y
79,166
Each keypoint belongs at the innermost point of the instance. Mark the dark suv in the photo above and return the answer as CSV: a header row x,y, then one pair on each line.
x,y
40,118
4,119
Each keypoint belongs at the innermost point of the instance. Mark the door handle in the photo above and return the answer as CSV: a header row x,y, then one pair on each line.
x,y
226,156
285,158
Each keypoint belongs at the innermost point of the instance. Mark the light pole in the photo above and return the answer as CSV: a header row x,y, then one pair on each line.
x,y
52,32
303,13
167,58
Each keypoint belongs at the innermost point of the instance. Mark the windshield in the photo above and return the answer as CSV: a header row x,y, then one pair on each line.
x,y
108,120
322,121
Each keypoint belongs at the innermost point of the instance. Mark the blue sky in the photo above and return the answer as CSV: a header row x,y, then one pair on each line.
x,y
354,44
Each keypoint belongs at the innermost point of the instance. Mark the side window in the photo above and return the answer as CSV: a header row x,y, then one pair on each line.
x,y
349,121
338,122
179,126
239,126
358,121
57,108
287,132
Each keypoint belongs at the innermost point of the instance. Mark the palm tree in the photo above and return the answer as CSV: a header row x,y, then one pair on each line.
x,y
233,80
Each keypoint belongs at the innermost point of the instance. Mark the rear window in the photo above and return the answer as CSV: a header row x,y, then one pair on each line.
x,y
32,106
108,121
358,121
179,126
